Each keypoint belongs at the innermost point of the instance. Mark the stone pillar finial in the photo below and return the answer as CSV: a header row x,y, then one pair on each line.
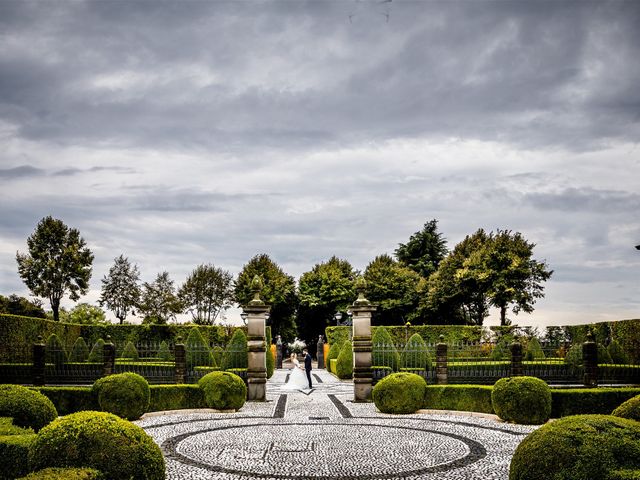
x,y
256,288
362,310
256,311
361,287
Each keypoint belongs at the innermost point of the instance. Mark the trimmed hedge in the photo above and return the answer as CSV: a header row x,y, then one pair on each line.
x,y
26,407
97,351
429,333
197,350
164,353
70,399
332,365
534,350
574,355
415,354
465,398
383,352
399,393
175,397
344,363
79,351
14,455
223,390
629,409
270,360
54,351
123,394
581,447
65,474
576,401
99,440
334,351
130,352
525,400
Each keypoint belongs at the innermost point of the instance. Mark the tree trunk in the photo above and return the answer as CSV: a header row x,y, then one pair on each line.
x,y
55,308
503,315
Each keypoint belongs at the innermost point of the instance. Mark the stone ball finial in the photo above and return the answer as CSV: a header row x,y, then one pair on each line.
x,y
590,337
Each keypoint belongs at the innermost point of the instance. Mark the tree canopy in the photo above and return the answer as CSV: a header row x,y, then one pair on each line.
x,y
424,251
159,302
206,292
58,262
86,313
120,288
16,305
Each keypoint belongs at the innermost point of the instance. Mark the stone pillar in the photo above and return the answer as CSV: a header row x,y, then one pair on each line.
x,y
256,312
108,357
590,361
278,351
181,361
441,362
516,359
320,352
38,363
362,374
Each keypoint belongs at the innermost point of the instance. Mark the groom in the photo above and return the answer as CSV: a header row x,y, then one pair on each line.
x,y
307,366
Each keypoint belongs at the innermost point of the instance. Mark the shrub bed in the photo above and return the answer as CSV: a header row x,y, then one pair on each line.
x,y
123,394
26,407
65,474
525,400
115,447
70,399
466,398
14,455
223,390
344,363
629,409
334,351
175,397
578,448
578,401
400,393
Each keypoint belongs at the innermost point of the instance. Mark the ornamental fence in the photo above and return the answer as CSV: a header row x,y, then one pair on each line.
x,y
158,363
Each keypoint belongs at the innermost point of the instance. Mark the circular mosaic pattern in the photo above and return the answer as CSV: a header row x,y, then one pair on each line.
x,y
294,450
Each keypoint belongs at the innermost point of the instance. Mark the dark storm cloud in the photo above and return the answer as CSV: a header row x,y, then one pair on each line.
x,y
288,75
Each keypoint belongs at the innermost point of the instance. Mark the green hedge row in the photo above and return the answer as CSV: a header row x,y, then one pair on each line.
x,y
466,398
399,334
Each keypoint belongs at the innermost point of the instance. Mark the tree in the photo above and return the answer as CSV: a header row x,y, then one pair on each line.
x,y
505,269
206,292
279,292
120,288
159,302
326,289
16,305
58,262
424,251
85,313
394,288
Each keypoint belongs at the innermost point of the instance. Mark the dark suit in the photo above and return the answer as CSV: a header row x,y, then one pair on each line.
x,y
307,368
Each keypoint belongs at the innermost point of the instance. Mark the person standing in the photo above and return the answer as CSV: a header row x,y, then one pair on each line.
x,y
307,366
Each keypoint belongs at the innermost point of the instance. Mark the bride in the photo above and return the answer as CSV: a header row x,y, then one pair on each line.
x,y
297,378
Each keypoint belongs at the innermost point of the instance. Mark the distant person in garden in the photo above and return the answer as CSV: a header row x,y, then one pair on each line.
x,y
296,379
307,366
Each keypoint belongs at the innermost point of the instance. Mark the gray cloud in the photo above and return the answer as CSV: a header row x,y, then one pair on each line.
x,y
21,172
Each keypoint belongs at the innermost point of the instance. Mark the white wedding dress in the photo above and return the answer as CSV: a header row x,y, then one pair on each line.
x,y
297,378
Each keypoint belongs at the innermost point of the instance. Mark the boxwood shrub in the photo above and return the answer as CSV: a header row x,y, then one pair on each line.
x,y
466,398
14,455
27,407
344,364
223,390
175,397
577,401
236,355
70,399
578,448
100,440
332,365
525,400
130,352
55,352
97,351
164,353
400,393
629,409
65,474
334,351
415,354
197,350
384,352
123,394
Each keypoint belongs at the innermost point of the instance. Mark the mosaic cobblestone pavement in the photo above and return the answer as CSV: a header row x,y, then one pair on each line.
x,y
322,434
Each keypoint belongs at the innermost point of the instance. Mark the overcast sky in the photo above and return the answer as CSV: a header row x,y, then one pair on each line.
x,y
182,132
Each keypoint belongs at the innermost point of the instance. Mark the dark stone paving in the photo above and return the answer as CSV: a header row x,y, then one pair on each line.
x,y
322,434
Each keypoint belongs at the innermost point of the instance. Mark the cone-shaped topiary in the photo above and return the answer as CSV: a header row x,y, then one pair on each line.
x,y
198,352
629,409
415,354
617,353
97,351
400,393
130,351
218,355
115,447
525,400
80,351
334,351
384,352
125,394
580,447
164,353
236,353
223,390
26,407
55,352
574,355
344,366
534,350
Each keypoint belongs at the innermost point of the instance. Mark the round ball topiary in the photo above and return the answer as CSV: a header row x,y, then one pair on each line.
x,y
223,390
28,408
400,393
525,400
629,409
124,394
115,447
581,447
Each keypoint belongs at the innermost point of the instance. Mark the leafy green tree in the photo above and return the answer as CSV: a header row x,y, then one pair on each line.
x,y
121,289
58,263
394,288
505,270
326,289
206,292
279,292
87,314
159,302
424,251
16,305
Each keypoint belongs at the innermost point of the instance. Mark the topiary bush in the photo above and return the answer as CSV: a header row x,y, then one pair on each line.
x,y
236,355
80,351
534,350
581,447
164,353
123,394
617,353
197,350
466,398
97,351
344,365
130,352
55,352
629,409
525,400
574,355
65,474
384,352
14,454
115,447
26,407
415,354
334,351
400,393
218,355
223,390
